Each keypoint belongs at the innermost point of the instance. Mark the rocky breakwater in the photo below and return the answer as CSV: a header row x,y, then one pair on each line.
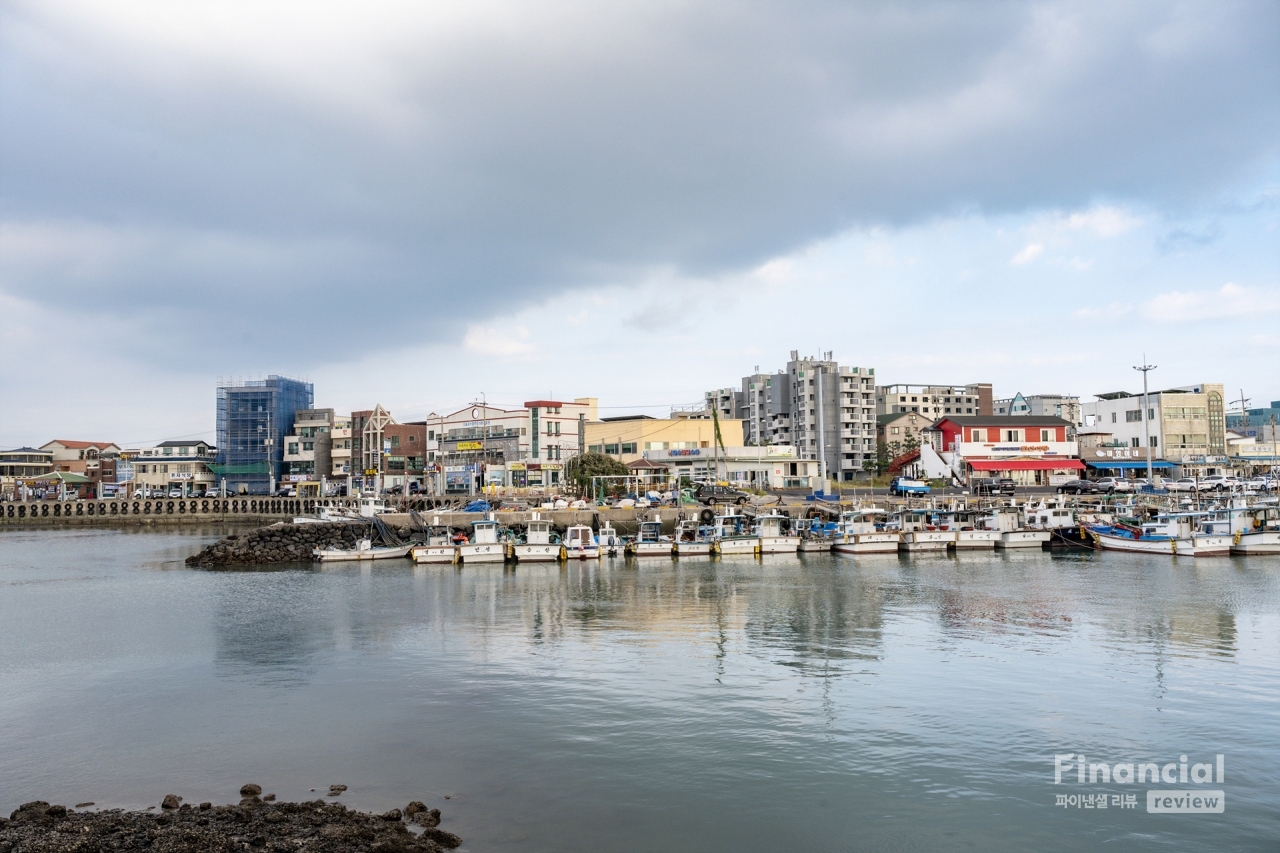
x,y
279,543
256,823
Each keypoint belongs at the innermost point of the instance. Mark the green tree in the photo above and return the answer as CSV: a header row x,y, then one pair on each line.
x,y
910,443
580,469
881,465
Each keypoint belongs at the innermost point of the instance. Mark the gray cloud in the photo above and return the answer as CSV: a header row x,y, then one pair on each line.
x,y
297,169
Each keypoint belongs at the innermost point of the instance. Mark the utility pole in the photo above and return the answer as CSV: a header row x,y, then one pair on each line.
x,y
1146,421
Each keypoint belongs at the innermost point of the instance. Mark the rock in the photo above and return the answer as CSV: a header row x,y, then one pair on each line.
x,y
439,836
250,790
394,814
250,801
427,817
269,798
413,808
170,802
335,790
204,807
83,805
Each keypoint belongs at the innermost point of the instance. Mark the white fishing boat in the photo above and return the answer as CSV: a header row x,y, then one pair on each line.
x,y
371,506
1181,534
1007,521
1255,530
818,536
734,534
483,546
364,550
327,514
537,546
969,536
439,547
580,543
609,541
919,533
769,527
865,532
694,539
650,542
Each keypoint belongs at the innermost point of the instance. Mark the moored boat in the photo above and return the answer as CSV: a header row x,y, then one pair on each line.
x,y
1007,521
969,536
364,550
649,541
919,534
694,539
864,532
580,543
483,547
537,546
439,547
1255,530
734,534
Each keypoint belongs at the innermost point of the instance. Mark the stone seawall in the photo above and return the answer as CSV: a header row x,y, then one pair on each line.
x,y
279,543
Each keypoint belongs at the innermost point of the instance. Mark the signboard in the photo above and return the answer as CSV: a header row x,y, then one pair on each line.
x,y
386,445
371,472
470,445
176,476
684,452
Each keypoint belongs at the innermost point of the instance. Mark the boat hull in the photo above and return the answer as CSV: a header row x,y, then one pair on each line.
x,y
650,549
744,545
1211,544
972,540
867,543
540,553
1264,542
488,552
1167,547
693,549
1023,539
815,546
333,555
779,544
927,540
435,554
589,552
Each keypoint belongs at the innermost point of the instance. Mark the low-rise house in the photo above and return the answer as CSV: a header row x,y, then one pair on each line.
x,y
772,466
180,464
20,464
1040,451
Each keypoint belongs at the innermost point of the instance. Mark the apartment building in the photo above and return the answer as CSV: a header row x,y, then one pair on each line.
x,y
308,446
935,401
181,464
1040,406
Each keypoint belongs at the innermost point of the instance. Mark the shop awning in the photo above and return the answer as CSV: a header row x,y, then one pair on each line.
x,y
1026,464
1131,466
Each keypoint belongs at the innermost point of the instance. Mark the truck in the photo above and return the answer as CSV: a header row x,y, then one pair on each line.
x,y
907,486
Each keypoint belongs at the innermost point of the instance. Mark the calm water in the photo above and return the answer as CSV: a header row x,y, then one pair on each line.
x,y
739,705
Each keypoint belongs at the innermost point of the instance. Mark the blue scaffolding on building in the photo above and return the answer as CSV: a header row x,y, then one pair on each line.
x,y
254,416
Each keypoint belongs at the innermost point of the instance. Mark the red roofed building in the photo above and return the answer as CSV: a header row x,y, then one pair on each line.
x,y
1032,451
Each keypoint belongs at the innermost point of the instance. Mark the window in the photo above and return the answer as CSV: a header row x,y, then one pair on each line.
x,y
1113,417
893,430
1135,442
431,435
1046,435
1154,440
412,439
978,435
611,449
308,445
1133,416
702,444
596,448
1013,435
628,447
293,447
395,441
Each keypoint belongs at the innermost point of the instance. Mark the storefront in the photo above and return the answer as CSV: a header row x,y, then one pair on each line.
x,y
1026,472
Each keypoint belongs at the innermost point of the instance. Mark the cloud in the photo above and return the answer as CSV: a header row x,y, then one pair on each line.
x,y
1103,221
1230,301
504,343
1189,239
1027,255
246,167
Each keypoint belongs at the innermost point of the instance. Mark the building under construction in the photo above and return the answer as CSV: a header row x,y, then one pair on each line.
x,y
254,416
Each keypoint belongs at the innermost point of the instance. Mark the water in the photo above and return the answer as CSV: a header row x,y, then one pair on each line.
x,y
810,704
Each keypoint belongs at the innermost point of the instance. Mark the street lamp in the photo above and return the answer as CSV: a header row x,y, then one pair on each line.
x,y
1146,420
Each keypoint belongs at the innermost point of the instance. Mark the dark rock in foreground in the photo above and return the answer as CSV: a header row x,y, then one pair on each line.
x,y
317,827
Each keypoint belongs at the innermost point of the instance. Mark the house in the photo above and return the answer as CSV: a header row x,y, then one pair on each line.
x,y
900,431
1031,450
78,457
772,466
1184,427
179,464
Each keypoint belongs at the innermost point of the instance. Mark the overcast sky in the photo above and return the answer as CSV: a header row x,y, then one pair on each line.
x,y
418,203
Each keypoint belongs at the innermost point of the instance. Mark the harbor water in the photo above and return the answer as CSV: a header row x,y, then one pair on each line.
x,y
808,703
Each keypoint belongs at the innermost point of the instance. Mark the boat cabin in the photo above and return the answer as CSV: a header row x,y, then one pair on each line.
x,y
484,532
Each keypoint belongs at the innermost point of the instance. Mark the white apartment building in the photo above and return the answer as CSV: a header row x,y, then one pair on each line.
x,y
182,464
935,401
1040,406
524,447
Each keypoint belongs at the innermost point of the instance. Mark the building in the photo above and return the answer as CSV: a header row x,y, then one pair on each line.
x,y
180,464
79,457
1252,419
823,409
1186,428
900,432
1254,454
521,448
19,464
340,465
1031,450
632,437
1040,405
254,416
935,401
770,466
308,447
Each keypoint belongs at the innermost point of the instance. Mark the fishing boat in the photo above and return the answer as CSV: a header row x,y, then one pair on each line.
x,y
694,539
580,543
865,532
1171,534
649,541
769,528
327,514
439,547
364,550
1007,521
818,537
609,541
969,535
919,533
734,534
1255,530
483,546
538,546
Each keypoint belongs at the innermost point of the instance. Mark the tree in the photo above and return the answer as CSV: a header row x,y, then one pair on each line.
x,y
580,469
910,443
881,463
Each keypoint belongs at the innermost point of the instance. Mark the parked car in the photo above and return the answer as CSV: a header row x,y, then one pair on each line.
x,y
1184,484
1259,484
711,493
1111,485
215,493
908,486
1081,487
995,486
1215,482
286,492
175,493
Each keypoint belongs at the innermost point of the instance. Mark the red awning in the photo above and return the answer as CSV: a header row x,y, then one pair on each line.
x,y
1026,464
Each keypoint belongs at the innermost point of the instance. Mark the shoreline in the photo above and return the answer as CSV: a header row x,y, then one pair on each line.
x,y
255,823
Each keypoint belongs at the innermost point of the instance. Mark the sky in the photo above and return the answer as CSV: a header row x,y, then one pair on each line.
x,y
421,204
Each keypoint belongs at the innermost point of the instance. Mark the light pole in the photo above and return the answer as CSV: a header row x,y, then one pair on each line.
x,y
1146,421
